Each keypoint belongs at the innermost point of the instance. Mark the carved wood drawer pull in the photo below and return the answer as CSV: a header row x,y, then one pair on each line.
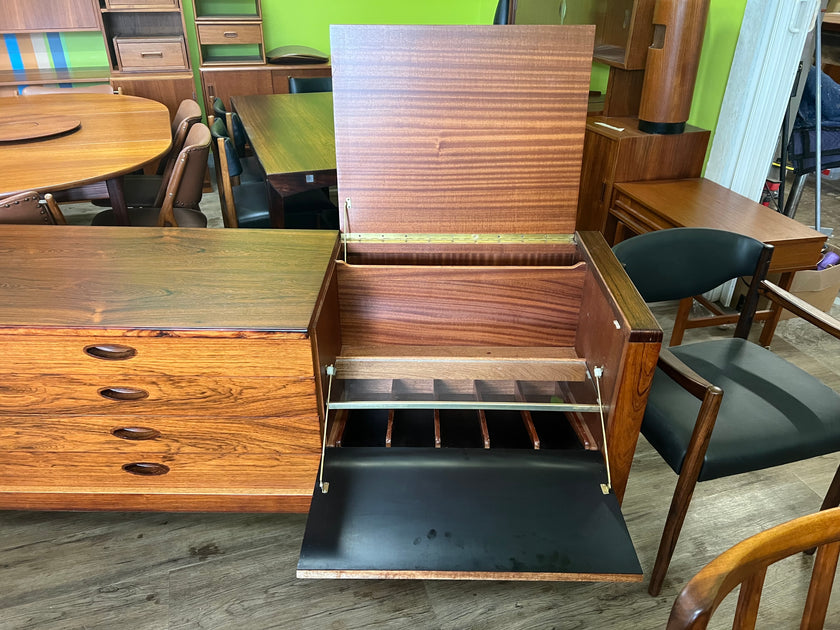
x,y
146,469
231,34
123,393
152,54
136,433
110,352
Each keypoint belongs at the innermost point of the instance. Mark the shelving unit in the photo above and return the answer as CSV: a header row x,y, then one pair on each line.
x,y
147,49
230,33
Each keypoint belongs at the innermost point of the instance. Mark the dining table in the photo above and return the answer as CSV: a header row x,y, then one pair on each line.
x,y
293,137
56,142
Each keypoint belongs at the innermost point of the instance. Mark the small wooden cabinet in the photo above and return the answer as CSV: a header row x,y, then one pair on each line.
x,y
147,49
170,370
614,151
230,33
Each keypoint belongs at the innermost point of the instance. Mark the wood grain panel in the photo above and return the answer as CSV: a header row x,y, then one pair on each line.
x,y
461,306
184,434
216,397
157,356
48,15
470,363
220,483
460,128
100,277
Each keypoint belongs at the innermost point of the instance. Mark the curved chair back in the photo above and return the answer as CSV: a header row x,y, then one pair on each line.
x,y
99,88
682,262
746,564
187,182
187,114
26,208
306,85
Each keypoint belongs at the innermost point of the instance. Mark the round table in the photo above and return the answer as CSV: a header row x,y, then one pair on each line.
x,y
117,135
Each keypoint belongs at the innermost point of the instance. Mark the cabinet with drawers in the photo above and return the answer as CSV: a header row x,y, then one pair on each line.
x,y
147,49
231,35
160,370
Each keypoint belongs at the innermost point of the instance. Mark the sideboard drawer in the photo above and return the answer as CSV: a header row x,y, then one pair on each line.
x,y
162,435
283,355
153,395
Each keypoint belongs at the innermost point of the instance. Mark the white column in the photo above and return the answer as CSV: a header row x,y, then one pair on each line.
x,y
760,81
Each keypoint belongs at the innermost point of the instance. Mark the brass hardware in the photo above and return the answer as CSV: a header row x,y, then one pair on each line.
x,y
598,372
325,485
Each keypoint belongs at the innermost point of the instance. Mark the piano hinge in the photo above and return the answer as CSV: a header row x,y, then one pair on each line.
x,y
457,238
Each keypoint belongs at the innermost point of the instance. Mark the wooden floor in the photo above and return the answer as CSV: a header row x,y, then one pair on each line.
x,y
155,571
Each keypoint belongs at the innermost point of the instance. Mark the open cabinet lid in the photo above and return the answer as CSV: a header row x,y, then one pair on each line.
x,y
460,129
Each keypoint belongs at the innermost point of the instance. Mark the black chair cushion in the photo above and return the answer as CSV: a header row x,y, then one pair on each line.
x,y
148,217
783,415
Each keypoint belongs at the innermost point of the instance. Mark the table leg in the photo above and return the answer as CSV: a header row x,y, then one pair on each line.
x,y
275,207
117,196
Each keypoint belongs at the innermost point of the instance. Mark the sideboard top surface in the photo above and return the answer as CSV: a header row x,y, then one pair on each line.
x,y
161,278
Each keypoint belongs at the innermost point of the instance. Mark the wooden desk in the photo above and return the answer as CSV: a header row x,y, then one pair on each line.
x,y
293,137
642,207
159,368
118,134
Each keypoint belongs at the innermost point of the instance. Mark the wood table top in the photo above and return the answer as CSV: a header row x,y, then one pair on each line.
x,y
117,135
290,133
88,277
703,203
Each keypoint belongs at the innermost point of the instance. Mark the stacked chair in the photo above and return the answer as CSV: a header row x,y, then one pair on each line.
x,y
179,207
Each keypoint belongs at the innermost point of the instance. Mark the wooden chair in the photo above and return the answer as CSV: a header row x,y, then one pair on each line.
x,y
99,88
245,203
27,208
183,191
726,406
746,564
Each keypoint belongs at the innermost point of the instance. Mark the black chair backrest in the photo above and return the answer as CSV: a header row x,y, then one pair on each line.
x,y
683,262
234,165
306,85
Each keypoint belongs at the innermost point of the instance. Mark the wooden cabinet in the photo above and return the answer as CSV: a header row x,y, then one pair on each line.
x,y
616,151
36,16
147,49
165,390
230,33
466,327
224,82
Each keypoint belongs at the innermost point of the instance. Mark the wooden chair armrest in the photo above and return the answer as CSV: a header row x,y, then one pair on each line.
x,y
801,308
683,375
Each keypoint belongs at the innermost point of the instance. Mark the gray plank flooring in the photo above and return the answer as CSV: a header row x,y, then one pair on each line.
x,y
183,571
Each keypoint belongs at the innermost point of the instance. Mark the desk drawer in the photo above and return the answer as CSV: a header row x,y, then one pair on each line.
x,y
229,33
160,435
287,356
151,53
149,395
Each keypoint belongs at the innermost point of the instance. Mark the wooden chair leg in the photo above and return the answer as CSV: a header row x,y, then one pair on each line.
x,y
673,525
832,496
680,321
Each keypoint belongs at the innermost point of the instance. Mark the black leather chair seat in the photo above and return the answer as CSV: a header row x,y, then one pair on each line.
x,y
149,216
782,416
